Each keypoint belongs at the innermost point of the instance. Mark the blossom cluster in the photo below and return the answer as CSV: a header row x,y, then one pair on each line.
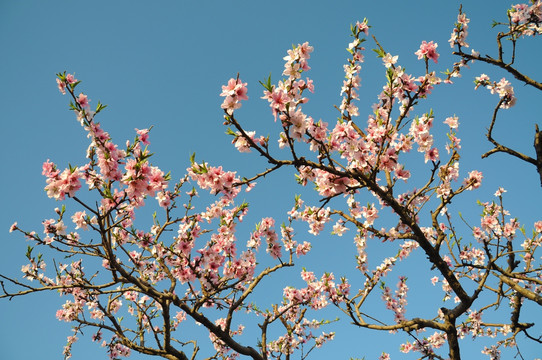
x,y
527,19
60,184
214,178
234,92
352,69
503,88
397,302
460,32
428,50
317,295
425,346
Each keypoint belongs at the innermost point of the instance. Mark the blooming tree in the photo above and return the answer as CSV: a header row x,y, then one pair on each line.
x,y
136,287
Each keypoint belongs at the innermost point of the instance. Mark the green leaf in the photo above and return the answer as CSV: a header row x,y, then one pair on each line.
x,y
29,251
389,74
107,193
379,52
267,83
100,107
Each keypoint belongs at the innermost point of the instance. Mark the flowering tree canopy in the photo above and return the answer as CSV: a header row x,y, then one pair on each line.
x,y
135,287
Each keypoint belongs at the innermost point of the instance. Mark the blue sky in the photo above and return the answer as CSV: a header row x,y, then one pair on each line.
x,y
163,64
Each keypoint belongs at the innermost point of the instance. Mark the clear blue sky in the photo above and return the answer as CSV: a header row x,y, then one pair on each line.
x,y
163,64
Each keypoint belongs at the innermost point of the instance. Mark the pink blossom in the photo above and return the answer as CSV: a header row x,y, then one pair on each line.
x,y
230,88
303,249
493,352
70,79
235,91
428,50
83,100
49,169
241,143
164,199
236,88
305,50
405,348
79,219
452,122
339,229
13,227
437,340
482,80
506,92
292,70
61,86
180,317
278,99
370,213
97,314
389,60
230,104
363,26
143,136
474,180
432,155
401,173
384,356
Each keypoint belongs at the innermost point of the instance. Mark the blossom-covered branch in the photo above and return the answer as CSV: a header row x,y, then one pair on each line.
x,y
524,20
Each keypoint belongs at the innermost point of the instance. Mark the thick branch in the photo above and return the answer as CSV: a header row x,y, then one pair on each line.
x,y
524,292
499,63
